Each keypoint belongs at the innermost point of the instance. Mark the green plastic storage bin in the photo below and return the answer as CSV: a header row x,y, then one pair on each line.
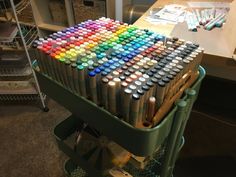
x,y
141,142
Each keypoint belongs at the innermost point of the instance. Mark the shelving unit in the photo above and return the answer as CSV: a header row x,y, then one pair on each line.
x,y
18,81
52,15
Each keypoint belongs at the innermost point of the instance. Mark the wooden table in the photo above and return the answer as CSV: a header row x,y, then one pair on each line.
x,y
218,43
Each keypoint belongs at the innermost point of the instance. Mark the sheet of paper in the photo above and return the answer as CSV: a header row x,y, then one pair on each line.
x,y
170,12
208,4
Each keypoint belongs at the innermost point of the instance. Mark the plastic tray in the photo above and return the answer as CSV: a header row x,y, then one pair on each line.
x,y
141,142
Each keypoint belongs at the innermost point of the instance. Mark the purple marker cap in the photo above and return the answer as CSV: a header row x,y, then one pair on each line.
x,y
126,59
130,56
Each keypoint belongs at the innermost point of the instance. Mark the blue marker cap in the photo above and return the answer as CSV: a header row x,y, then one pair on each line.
x,y
129,56
137,45
112,67
142,43
117,52
131,49
97,70
137,52
133,53
115,60
99,56
119,56
125,48
92,74
104,73
106,65
116,65
129,45
123,54
127,52
101,68
113,54
107,70
125,59
103,54
110,62
121,62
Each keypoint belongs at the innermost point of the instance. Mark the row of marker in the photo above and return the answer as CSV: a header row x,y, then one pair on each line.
x,y
126,70
208,18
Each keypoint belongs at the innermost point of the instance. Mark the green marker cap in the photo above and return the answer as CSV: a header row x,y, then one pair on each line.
x,y
85,65
62,60
80,67
84,60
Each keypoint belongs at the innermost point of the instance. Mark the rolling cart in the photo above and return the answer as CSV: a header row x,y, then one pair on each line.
x,y
161,143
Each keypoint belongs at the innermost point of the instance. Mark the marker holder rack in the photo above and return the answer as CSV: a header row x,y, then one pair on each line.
x,y
140,142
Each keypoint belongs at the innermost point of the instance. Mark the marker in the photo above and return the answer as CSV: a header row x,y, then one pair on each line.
x,y
146,89
75,78
126,104
112,97
92,86
81,80
69,75
118,100
104,92
160,93
134,110
151,108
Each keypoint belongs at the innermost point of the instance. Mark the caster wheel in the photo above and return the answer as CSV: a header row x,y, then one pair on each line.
x,y
45,109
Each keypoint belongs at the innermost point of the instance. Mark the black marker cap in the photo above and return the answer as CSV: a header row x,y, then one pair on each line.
x,y
161,83
182,56
145,87
169,76
140,92
157,67
127,73
188,51
173,73
161,64
153,70
165,79
164,61
180,67
176,70
157,76
122,78
150,84
169,58
149,73
154,80
136,96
